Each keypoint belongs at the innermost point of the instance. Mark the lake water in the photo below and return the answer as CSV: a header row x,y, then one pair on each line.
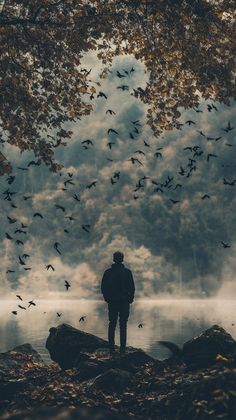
x,y
172,320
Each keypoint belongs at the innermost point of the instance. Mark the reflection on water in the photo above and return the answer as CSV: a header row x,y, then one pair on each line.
x,y
173,320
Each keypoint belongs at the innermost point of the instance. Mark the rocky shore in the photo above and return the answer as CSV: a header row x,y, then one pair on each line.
x,y
85,382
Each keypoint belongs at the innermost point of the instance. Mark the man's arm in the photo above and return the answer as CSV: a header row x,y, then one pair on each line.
x,y
131,291
104,287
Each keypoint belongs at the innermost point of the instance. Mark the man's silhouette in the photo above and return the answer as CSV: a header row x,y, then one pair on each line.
x,y
118,291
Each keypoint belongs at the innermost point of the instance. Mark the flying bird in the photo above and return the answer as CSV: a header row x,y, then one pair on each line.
x,y
58,207
76,197
211,155
111,130
82,318
135,160
21,262
50,266
38,215
59,314
88,142
101,95
22,307
67,285
228,128
8,236
19,297
86,228
14,312
93,184
205,196
111,112
225,245
140,325
31,303
110,144
56,245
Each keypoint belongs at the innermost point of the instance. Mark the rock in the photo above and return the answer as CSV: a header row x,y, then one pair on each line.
x,y
201,351
52,413
131,362
19,355
67,345
114,380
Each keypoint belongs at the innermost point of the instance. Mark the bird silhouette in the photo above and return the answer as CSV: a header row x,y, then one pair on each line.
x,y
120,75
19,297
21,262
76,197
38,215
86,228
228,128
158,154
10,271
190,122
205,196
101,95
110,144
8,236
174,201
14,312
82,318
31,303
56,245
88,142
22,307
211,155
140,325
225,245
48,266
67,285
58,207
19,242
231,183
11,220
111,112
59,314
92,184
111,130
140,152
68,181
116,175
123,87
146,144
35,163
135,160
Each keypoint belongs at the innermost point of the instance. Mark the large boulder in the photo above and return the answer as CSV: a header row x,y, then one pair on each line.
x,y
114,380
67,345
202,350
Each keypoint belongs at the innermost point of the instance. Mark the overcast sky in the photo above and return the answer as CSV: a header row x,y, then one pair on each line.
x,y
171,247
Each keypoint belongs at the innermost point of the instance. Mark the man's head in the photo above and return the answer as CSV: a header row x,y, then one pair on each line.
x,y
118,257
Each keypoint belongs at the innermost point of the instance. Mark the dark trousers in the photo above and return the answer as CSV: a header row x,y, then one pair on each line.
x,y
115,309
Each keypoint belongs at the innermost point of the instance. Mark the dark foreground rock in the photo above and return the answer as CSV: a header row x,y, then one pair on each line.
x,y
203,350
114,380
135,385
67,345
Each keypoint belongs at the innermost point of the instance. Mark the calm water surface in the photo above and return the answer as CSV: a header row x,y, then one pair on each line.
x,y
173,320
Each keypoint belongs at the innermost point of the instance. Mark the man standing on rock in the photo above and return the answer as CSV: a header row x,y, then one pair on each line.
x,y
118,291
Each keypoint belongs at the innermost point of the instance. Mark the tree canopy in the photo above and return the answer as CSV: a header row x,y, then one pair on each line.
x,y
187,46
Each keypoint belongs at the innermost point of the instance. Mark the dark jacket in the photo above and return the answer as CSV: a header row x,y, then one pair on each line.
x,y
118,284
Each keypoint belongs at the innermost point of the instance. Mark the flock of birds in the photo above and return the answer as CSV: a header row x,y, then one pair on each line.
x,y
169,185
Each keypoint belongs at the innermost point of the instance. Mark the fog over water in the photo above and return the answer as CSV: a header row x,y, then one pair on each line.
x,y
173,320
